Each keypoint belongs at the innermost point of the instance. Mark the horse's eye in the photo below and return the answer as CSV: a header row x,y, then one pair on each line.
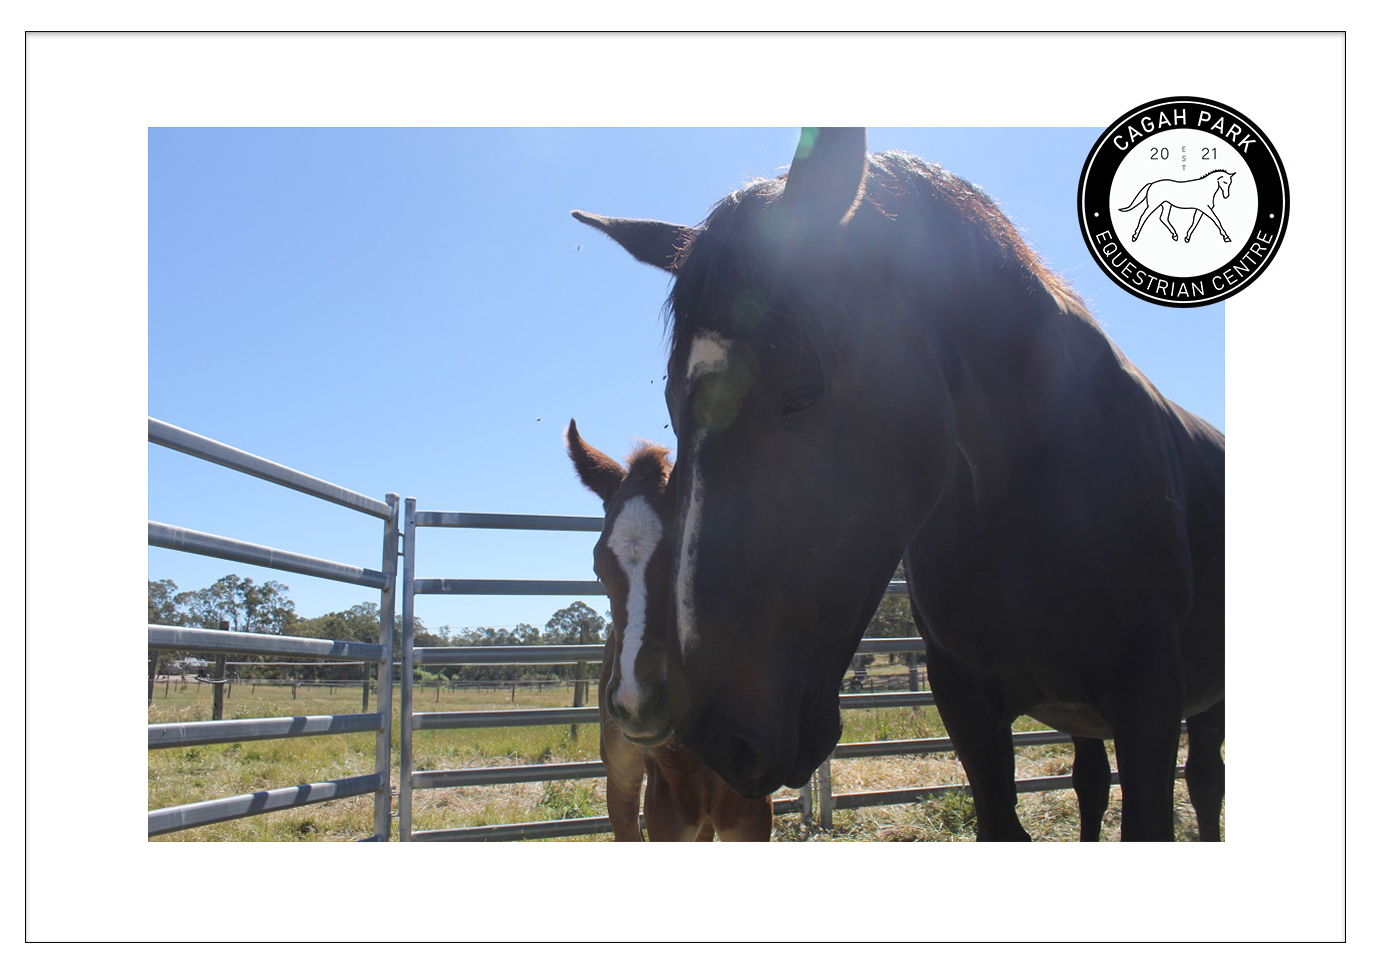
x,y
797,403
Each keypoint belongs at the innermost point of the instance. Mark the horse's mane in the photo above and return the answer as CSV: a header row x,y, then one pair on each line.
x,y
972,211
909,207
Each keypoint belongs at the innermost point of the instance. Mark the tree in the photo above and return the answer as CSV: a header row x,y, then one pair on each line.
x,y
246,606
163,608
573,624
577,623
359,623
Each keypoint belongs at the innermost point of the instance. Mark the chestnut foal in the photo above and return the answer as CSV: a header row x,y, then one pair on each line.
x,y
686,801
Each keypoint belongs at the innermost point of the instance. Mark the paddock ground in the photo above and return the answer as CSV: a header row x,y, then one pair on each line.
x,y
182,775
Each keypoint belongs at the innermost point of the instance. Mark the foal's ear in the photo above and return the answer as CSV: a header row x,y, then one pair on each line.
x,y
656,243
596,470
826,179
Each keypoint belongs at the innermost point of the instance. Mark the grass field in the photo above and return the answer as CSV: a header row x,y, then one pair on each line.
x,y
184,775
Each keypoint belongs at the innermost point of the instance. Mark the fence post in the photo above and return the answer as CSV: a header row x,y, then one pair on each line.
x,y
827,804
405,696
913,681
578,697
153,673
383,702
218,693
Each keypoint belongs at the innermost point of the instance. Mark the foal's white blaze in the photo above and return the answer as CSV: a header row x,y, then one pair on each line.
x,y
709,353
635,535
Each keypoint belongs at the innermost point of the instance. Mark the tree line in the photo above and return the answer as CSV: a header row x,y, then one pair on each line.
x,y
250,607
246,606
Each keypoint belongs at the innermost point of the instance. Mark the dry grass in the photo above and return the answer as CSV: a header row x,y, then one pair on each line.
x,y
184,775
1052,816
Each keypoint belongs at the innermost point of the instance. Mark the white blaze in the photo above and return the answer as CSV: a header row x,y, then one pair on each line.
x,y
709,353
633,538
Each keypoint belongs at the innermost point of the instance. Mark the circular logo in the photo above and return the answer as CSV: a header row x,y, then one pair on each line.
x,y
1183,201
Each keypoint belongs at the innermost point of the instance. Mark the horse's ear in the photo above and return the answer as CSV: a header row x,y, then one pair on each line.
x,y
596,470
826,179
656,243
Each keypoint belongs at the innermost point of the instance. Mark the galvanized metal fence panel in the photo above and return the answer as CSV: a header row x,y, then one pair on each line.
x,y
198,640
414,657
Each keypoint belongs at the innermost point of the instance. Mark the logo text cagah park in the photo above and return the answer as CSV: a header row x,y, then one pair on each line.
x,y
1183,201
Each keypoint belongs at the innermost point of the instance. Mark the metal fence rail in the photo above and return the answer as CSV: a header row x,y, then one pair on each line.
x,y
182,734
188,733
167,638
175,818
166,434
210,545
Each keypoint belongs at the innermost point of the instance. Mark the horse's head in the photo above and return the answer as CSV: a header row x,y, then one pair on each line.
x,y
1225,181
816,434
633,561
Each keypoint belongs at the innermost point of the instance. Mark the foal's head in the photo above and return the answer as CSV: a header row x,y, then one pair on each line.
x,y
633,561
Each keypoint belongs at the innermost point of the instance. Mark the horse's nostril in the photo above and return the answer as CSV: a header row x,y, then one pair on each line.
x,y
739,758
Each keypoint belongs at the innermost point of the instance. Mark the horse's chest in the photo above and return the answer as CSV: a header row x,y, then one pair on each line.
x,y
1074,718
1012,634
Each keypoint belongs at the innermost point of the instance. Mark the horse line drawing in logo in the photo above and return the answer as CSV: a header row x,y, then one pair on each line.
x,y
1198,196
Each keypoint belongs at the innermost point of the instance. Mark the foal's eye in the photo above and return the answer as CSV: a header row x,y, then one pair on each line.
x,y
797,403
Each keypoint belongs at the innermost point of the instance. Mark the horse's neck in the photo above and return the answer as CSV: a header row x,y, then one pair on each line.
x,y
1013,377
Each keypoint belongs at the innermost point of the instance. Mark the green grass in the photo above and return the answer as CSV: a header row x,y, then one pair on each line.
x,y
185,775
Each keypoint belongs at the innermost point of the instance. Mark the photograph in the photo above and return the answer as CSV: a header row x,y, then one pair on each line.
x,y
568,463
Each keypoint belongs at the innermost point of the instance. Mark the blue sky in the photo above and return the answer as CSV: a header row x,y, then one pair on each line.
x,y
414,310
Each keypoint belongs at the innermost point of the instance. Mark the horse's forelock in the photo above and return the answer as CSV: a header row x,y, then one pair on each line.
x,y
712,268
649,460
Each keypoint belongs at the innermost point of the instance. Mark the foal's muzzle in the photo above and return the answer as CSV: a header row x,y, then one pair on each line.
x,y
645,719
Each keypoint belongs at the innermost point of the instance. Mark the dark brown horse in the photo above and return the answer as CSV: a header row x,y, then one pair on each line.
x,y
868,363
686,801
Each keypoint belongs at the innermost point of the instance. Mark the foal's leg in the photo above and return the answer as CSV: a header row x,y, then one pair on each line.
x,y
740,819
1204,770
982,734
670,816
624,769
1091,780
1146,735
623,811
